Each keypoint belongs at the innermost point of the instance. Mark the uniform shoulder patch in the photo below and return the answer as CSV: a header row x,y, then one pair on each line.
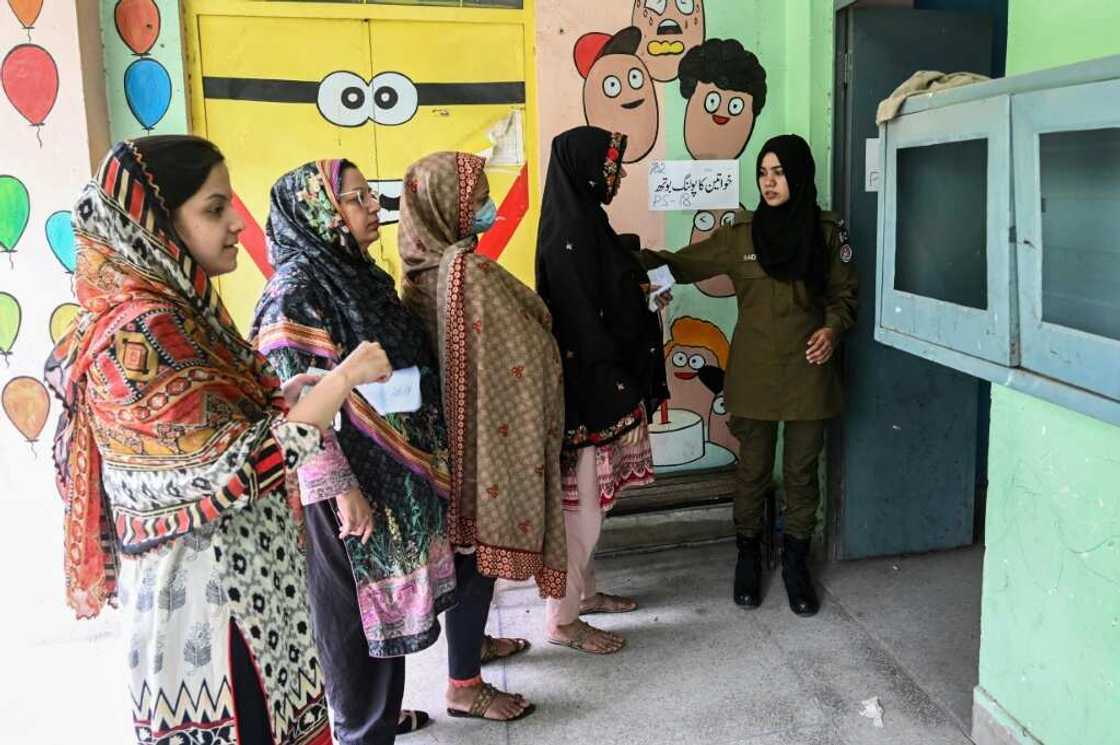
x,y
845,243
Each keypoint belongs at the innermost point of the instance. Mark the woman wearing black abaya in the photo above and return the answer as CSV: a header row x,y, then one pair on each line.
x,y
610,344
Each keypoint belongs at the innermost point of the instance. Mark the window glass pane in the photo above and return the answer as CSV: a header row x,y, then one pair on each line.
x,y
1081,230
942,222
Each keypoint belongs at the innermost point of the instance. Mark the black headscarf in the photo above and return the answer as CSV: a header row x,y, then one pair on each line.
x,y
591,280
788,239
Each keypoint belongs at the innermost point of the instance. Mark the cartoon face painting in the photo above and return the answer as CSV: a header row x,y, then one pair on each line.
x,y
697,350
704,223
726,90
669,29
718,421
618,91
719,425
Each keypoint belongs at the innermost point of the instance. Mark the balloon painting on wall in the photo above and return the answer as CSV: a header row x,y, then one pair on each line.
x,y
15,207
29,77
60,237
147,89
61,318
138,24
27,404
26,11
11,316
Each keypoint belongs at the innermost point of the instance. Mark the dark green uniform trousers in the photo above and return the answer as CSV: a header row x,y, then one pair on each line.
x,y
802,444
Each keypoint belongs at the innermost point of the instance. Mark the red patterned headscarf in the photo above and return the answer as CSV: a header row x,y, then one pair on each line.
x,y
130,266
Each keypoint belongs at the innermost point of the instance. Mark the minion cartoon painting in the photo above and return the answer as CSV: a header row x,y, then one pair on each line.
x,y
275,91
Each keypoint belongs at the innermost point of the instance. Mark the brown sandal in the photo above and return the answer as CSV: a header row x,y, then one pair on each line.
x,y
578,641
604,605
490,649
481,703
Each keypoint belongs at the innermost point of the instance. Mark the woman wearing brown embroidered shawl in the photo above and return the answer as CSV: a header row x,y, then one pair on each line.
x,y
503,399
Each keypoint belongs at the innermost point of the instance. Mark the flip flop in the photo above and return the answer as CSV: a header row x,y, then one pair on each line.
x,y
482,700
412,720
490,647
600,607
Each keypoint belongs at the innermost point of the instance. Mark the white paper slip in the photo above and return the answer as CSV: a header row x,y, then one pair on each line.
x,y
399,394
662,278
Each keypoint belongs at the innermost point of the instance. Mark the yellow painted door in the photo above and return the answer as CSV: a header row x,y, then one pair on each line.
x,y
383,92
268,111
444,86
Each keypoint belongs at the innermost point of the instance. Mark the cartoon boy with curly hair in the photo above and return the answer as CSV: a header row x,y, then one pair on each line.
x,y
726,89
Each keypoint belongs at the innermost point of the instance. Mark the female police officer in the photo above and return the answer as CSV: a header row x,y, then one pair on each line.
x,y
790,264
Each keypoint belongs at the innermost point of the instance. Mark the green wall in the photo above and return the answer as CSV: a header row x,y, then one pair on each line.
x,y
1050,619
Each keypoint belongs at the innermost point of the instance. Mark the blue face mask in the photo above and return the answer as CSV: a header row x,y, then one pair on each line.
x,y
485,217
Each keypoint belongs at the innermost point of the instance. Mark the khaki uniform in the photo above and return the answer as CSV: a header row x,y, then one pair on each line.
x,y
768,378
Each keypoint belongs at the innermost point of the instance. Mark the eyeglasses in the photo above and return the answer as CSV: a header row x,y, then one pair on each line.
x,y
365,198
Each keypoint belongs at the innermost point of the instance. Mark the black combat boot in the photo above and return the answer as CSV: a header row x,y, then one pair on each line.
x,y
795,573
748,572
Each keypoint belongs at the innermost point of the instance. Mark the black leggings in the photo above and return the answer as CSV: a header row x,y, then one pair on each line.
x,y
248,698
466,622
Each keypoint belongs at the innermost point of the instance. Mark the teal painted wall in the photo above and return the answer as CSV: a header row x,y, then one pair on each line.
x,y
167,52
1050,618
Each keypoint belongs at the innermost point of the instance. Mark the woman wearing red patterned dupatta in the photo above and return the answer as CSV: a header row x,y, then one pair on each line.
x,y
172,455
503,400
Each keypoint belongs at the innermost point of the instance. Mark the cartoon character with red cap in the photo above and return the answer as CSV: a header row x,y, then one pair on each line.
x,y
618,91
726,89
669,29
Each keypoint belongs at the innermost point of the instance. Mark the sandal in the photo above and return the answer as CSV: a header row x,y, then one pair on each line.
x,y
579,640
482,700
412,720
610,604
490,648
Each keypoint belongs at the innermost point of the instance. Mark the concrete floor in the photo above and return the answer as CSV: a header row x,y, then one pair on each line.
x,y
696,669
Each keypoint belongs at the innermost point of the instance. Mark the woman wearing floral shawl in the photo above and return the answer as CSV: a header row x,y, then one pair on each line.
x,y
382,483
503,398
171,455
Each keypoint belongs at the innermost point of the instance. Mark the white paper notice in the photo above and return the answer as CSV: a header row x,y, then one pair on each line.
x,y
693,184
662,279
872,170
399,394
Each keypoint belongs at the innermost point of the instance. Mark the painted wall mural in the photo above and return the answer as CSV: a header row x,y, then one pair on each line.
x,y
360,91
670,28
677,94
725,86
30,80
144,80
618,90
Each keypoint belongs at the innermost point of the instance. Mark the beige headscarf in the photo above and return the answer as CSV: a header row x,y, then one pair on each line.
x,y
503,390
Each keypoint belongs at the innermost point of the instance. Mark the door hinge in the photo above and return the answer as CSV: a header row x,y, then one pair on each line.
x,y
1013,235
847,62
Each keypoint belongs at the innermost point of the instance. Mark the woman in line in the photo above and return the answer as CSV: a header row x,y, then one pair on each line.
x,y
614,375
172,451
791,267
504,408
380,567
